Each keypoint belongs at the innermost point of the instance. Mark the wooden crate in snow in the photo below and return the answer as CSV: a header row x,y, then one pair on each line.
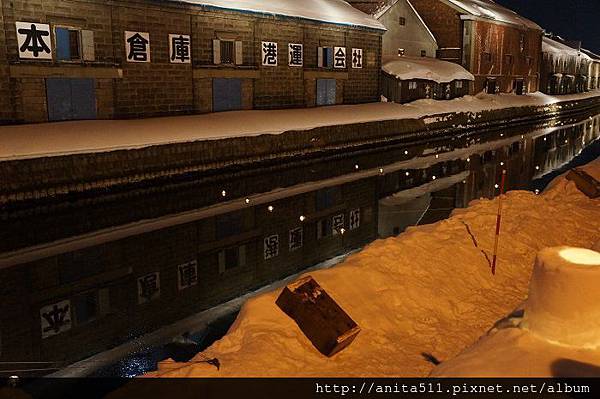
x,y
320,318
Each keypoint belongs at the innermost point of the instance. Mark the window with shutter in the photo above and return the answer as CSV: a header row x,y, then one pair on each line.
x,y
68,44
325,57
227,52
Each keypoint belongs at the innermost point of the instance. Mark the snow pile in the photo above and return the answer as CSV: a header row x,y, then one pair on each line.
x,y
559,334
407,68
332,11
489,10
430,291
64,138
558,49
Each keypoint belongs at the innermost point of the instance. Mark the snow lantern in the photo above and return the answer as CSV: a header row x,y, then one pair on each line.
x,y
564,300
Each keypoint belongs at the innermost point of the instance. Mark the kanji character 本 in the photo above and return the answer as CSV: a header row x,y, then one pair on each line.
x,y
271,248
339,57
296,54
138,46
56,318
148,287
296,238
269,52
357,57
180,48
188,275
33,40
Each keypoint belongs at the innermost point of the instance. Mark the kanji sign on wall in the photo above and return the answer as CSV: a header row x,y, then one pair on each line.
x,y
137,46
180,49
34,41
357,58
339,57
269,54
55,318
296,54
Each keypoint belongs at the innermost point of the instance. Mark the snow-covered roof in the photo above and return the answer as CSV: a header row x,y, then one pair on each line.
x,y
378,8
407,68
488,9
330,11
591,54
559,49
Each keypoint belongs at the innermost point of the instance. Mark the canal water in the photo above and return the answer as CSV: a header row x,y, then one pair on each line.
x,y
554,150
241,228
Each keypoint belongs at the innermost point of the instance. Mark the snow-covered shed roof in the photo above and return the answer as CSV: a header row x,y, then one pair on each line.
x,y
330,11
487,9
591,54
408,68
559,49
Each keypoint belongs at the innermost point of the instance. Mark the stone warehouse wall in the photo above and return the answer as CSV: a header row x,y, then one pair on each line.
x,y
487,50
163,88
6,106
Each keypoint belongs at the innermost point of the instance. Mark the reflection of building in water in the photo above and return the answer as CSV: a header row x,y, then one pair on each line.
x,y
98,271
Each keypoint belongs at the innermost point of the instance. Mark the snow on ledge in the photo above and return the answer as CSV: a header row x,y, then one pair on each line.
x,y
80,137
426,68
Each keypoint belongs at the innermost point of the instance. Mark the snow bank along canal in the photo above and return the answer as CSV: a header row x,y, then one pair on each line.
x,y
101,270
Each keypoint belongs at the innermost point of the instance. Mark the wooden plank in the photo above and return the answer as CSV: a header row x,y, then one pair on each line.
x,y
585,183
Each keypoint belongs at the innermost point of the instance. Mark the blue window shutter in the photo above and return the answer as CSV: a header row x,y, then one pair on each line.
x,y
329,57
63,47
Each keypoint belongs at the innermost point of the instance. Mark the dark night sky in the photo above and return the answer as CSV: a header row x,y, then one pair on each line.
x,y
571,19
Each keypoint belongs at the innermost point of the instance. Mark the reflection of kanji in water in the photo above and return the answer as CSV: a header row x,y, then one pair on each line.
x,y
138,48
188,275
296,238
148,286
271,249
180,48
56,318
34,41
337,224
354,222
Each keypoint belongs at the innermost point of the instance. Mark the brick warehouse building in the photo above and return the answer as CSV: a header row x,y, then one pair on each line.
x,y
136,58
499,47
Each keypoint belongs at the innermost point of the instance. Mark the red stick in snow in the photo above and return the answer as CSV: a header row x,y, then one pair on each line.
x,y
498,219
